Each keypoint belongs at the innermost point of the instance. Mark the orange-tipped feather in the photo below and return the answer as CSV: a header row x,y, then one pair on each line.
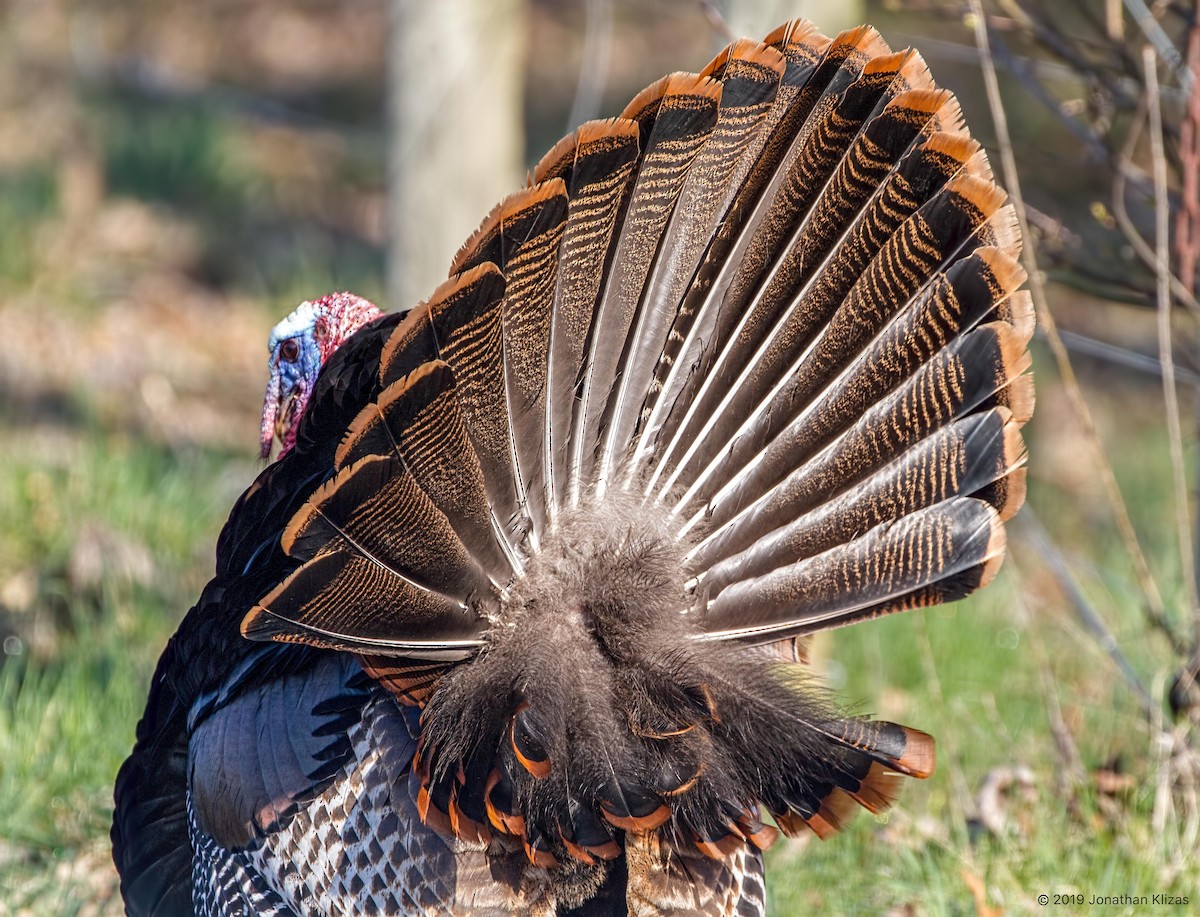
x,y
888,64
914,75
1021,315
655,819
920,754
745,49
503,822
978,192
575,850
506,210
557,160
1005,231
958,146
862,42
645,103
720,848
540,857
466,828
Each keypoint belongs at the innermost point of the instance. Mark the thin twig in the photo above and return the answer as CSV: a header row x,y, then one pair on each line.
x,y
1029,524
1162,217
1160,40
717,20
1163,804
1155,607
1114,22
960,789
1123,356
1124,171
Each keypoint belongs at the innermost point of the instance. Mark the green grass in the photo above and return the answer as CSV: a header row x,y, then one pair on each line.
x,y
994,714
971,674
968,673
26,196
69,701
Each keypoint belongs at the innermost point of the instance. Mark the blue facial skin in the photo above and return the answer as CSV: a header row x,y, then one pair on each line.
x,y
294,364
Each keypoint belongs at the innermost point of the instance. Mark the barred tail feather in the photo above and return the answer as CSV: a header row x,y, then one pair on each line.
x,y
742,364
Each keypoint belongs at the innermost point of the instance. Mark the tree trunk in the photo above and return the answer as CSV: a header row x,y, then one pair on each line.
x,y
456,81
757,17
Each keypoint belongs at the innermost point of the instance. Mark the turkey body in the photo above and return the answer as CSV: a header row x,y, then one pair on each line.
x,y
517,623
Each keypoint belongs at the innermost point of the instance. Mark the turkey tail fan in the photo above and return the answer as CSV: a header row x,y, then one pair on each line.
x,y
744,363
744,317
521,239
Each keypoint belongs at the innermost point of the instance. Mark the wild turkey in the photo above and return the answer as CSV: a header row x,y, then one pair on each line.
x,y
514,623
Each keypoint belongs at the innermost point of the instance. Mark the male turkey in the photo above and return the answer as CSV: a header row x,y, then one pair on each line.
x,y
514,623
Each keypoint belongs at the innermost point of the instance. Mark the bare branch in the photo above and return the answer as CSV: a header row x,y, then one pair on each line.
x,y
1155,609
1160,41
1187,224
1123,356
1091,620
1166,355
1124,170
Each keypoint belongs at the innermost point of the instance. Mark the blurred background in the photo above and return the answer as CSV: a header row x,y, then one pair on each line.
x,y
175,177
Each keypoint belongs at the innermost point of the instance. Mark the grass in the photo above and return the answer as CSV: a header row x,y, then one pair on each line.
x,y
969,673
70,699
26,195
925,854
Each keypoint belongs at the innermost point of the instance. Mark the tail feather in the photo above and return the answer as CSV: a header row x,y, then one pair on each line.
x,y
742,364
375,508
874,152
521,239
886,563
599,168
951,305
787,323
961,459
951,588
462,326
683,119
763,212
682,361
808,69
974,372
751,75
420,418
760,409
346,602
